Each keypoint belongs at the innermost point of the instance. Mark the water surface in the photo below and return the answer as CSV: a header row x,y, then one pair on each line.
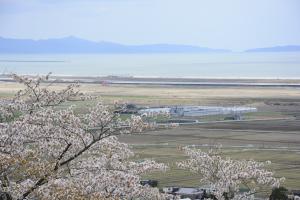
x,y
211,65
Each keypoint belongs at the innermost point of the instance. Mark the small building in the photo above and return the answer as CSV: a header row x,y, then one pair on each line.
x,y
295,192
295,195
185,192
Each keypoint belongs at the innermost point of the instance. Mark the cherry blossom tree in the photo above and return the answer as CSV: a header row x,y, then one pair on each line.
x,y
53,153
226,176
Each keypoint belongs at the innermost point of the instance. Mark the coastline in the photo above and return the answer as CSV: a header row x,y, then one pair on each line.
x,y
172,81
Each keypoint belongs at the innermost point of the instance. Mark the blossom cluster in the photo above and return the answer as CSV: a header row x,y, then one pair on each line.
x,y
49,153
226,176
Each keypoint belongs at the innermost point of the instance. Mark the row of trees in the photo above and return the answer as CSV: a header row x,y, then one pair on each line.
x,y
51,153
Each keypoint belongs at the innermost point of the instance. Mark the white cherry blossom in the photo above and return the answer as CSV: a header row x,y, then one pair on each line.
x,y
49,153
226,176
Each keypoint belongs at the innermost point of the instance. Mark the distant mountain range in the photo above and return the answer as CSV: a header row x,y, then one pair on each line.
x,y
77,45
287,48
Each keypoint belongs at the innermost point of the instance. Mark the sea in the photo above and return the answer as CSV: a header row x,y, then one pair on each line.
x,y
197,65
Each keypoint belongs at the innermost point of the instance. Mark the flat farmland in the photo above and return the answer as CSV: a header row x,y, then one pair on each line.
x,y
280,147
272,133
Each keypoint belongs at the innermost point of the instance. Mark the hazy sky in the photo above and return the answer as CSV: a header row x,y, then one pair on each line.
x,y
233,24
